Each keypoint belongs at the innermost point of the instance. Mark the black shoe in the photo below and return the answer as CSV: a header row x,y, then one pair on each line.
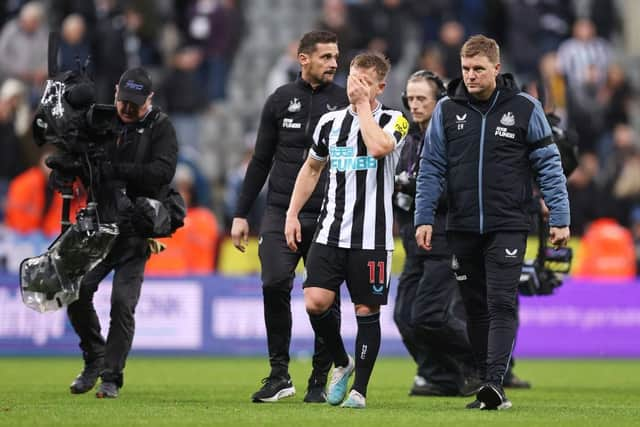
x,y
316,394
107,390
88,378
476,404
493,397
472,385
515,382
430,389
274,389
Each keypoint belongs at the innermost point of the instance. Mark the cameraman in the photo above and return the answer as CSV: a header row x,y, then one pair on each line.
x,y
140,162
428,306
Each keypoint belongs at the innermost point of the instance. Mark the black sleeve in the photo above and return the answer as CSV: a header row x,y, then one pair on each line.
x,y
162,165
262,159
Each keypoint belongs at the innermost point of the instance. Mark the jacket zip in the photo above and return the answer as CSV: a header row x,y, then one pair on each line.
x,y
305,153
481,158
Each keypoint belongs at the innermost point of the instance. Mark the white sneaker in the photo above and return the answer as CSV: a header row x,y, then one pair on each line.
x,y
354,401
339,382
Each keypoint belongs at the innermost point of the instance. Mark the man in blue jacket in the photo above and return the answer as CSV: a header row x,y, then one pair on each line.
x,y
488,139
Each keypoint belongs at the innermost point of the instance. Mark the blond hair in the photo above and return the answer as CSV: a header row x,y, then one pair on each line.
x,y
367,60
481,45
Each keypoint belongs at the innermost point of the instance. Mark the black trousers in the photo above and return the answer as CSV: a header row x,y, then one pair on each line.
x,y
278,264
488,269
127,259
427,315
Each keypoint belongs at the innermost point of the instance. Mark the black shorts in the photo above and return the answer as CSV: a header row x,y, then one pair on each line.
x,y
365,271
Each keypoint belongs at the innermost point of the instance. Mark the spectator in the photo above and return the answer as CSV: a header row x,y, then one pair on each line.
x,y
32,206
335,18
554,82
12,94
582,51
285,70
184,98
74,43
625,148
451,39
59,9
140,38
23,48
582,189
381,25
431,58
110,59
218,28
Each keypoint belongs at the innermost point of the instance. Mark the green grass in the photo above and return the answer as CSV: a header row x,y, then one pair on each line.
x,y
212,391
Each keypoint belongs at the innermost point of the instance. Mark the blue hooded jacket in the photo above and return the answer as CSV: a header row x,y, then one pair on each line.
x,y
489,157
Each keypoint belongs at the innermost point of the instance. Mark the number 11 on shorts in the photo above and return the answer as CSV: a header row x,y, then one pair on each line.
x,y
372,272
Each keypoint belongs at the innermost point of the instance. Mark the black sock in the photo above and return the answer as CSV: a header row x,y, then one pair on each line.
x,y
327,326
367,346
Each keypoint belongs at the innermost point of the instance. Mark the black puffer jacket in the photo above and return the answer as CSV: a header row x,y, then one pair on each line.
x,y
286,128
489,152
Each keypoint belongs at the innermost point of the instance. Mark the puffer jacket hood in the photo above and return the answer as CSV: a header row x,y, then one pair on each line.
x,y
506,83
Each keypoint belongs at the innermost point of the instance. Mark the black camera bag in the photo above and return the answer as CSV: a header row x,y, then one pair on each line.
x,y
172,206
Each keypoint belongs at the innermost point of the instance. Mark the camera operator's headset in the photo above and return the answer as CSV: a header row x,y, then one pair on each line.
x,y
441,89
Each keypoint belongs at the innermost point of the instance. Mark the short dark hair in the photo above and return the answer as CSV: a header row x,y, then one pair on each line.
x,y
481,45
375,60
309,40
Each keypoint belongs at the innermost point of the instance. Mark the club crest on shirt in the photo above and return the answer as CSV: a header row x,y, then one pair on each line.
x,y
508,119
294,105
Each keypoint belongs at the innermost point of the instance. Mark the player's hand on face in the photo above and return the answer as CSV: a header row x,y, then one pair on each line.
x,y
357,90
559,236
240,233
292,232
423,236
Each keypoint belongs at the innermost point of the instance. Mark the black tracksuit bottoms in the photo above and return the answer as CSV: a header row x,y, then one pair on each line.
x,y
278,265
127,259
487,268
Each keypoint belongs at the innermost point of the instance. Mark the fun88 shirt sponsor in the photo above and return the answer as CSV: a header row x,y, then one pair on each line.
x,y
357,211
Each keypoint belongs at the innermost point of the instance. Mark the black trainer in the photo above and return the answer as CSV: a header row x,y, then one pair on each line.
x,y
88,378
493,397
107,390
316,392
472,386
274,389
476,404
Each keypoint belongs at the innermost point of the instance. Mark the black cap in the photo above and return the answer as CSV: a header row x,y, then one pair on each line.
x,y
134,86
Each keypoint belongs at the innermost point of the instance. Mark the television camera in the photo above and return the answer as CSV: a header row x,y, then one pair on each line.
x,y
69,119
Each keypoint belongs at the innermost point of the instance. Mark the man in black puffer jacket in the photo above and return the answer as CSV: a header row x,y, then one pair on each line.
x,y
487,139
288,120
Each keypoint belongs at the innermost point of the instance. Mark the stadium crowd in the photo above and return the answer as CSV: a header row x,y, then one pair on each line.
x,y
575,48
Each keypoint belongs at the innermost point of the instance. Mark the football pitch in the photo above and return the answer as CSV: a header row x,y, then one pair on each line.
x,y
216,391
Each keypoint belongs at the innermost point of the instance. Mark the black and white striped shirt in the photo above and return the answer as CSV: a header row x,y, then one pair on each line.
x,y
356,211
576,57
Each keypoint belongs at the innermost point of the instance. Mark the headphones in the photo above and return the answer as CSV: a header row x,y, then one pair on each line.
x,y
441,89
